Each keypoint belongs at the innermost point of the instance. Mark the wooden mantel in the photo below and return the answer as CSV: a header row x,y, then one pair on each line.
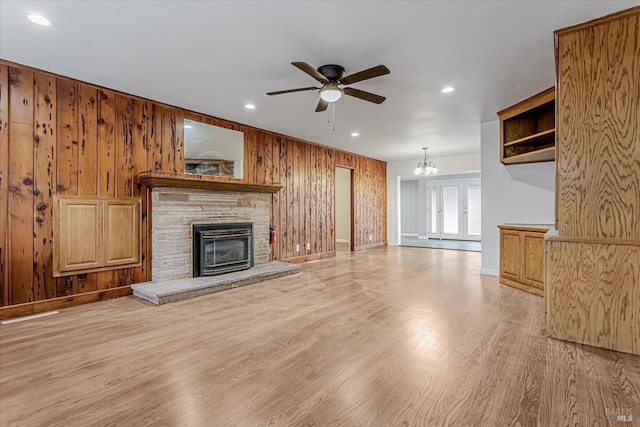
x,y
201,182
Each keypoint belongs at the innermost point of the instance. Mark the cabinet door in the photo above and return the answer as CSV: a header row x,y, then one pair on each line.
x,y
533,246
122,232
79,239
510,254
95,234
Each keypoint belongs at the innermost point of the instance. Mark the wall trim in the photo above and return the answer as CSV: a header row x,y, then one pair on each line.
x,y
489,272
370,246
310,257
62,302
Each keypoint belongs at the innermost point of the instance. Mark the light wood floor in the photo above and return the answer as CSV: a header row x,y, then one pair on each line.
x,y
386,337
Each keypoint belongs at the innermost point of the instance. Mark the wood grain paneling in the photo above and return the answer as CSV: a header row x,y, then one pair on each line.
x,y
598,154
44,185
593,297
106,164
4,183
141,148
99,140
87,159
21,209
67,159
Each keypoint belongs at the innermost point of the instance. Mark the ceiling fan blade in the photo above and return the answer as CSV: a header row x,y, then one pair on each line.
x,y
311,71
322,105
380,70
300,89
367,96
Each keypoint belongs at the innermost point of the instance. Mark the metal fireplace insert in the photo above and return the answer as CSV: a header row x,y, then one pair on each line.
x,y
222,248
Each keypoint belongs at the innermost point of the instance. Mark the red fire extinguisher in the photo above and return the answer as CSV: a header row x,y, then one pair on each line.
x,y
272,234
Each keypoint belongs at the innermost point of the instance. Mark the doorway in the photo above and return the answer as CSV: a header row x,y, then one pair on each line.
x,y
453,209
344,204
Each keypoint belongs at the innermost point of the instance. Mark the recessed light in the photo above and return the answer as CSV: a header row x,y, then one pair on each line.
x,y
38,19
355,134
187,126
447,89
249,106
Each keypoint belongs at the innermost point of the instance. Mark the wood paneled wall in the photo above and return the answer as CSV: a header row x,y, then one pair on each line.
x,y
61,136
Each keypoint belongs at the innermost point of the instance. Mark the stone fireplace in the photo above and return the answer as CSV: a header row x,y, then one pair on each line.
x,y
176,211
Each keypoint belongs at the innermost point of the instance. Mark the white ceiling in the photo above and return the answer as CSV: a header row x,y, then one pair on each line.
x,y
215,56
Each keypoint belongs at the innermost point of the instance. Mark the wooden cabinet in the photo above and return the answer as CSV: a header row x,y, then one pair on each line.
x,y
592,287
527,130
522,257
121,232
79,238
95,234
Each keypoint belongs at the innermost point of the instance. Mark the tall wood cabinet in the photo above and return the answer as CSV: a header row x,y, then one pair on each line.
x,y
593,262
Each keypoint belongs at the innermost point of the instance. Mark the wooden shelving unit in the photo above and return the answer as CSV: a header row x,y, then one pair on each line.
x,y
527,130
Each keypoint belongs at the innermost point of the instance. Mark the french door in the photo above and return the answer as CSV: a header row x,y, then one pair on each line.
x,y
453,209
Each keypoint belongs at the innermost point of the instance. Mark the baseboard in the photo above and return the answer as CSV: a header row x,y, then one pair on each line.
x,y
408,235
423,237
309,257
489,272
62,302
370,246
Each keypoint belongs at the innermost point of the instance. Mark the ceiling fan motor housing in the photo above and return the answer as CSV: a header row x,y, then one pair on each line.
x,y
332,72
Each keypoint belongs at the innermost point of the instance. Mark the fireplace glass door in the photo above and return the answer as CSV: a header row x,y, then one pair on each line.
x,y
222,248
225,252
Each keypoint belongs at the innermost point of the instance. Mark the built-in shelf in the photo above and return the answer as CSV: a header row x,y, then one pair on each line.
x,y
202,182
544,155
527,130
535,138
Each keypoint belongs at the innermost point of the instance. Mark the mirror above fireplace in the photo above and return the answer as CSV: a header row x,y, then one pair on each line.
x,y
213,150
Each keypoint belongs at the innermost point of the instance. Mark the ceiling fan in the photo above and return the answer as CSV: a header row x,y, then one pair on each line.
x,y
332,76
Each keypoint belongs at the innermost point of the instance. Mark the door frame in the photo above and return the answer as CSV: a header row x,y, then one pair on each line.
x,y
352,240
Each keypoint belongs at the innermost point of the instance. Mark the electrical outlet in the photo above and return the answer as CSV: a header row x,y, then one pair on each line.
x,y
297,248
308,246
370,237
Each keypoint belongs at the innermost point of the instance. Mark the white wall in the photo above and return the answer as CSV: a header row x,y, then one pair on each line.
x,y
343,204
521,194
410,208
395,170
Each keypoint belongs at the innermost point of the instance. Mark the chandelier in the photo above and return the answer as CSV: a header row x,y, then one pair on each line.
x,y
426,168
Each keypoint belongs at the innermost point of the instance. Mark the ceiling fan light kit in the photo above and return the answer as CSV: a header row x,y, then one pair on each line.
x,y
331,93
331,77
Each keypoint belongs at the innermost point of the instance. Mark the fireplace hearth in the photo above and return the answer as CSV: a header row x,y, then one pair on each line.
x,y
222,248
